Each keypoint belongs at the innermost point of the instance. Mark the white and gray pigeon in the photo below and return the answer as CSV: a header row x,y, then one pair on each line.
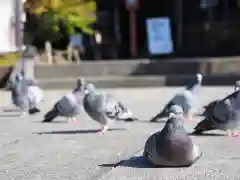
x,y
223,115
104,109
70,105
188,100
172,147
23,96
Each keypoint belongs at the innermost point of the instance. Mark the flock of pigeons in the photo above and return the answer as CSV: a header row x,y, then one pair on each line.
x,y
100,106
169,147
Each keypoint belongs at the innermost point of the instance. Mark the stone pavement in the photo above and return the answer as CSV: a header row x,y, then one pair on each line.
x,y
67,151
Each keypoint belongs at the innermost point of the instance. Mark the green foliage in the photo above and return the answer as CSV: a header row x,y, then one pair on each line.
x,y
73,13
9,59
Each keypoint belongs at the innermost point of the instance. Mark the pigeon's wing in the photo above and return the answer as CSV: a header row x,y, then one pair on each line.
x,y
165,111
35,95
65,106
184,100
222,112
219,116
124,113
20,96
30,82
208,109
111,107
204,125
93,106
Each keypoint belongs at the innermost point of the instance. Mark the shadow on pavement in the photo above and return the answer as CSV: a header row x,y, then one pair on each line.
x,y
207,134
11,110
88,131
138,162
10,115
134,162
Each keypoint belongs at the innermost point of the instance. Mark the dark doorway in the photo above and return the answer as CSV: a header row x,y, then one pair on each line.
x,y
147,9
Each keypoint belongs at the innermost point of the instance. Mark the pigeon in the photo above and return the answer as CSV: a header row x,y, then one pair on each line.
x,y
209,107
20,94
104,109
188,100
172,147
223,115
69,105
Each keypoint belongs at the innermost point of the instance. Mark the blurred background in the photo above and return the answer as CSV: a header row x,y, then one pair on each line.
x,y
106,29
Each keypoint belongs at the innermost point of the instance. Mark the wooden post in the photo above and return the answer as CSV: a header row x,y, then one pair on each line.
x,y
179,18
133,42
48,49
132,6
69,52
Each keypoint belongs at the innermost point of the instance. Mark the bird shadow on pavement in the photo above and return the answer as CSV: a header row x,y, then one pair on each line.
x,y
2,115
206,134
87,131
11,110
133,162
137,162
149,122
53,122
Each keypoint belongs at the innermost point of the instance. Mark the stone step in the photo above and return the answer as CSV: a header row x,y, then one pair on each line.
x,y
206,66
138,81
117,68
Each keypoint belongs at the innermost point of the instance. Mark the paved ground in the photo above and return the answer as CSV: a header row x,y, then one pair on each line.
x,y
74,152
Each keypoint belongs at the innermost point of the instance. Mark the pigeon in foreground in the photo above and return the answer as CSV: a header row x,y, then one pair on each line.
x,y
69,105
172,147
224,115
209,107
104,109
188,100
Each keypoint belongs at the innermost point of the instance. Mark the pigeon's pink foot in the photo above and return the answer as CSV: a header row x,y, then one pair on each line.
x,y
103,130
233,134
75,121
101,133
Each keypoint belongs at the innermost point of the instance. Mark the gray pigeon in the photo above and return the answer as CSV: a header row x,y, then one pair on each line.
x,y
104,109
19,93
210,106
172,147
69,105
223,115
188,100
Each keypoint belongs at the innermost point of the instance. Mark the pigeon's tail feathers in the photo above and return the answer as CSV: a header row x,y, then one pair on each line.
x,y
164,113
205,125
33,110
50,116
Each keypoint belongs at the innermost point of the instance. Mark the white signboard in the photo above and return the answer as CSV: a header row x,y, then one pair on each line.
x,y
7,23
159,36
